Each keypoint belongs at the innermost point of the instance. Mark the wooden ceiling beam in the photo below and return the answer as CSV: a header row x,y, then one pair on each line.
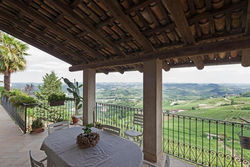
x,y
119,70
245,58
198,62
139,68
142,4
109,20
248,19
12,31
128,24
175,9
53,27
19,23
186,51
236,60
165,66
84,23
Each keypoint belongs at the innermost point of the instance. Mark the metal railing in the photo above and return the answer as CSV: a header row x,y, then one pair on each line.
x,y
119,116
205,142
202,141
18,114
25,114
49,114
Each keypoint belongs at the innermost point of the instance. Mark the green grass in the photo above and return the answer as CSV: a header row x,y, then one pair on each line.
x,y
216,108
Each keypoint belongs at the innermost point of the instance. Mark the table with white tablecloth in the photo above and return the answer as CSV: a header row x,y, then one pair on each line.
x,y
111,151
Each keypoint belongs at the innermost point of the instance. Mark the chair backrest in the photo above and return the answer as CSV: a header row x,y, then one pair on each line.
x,y
58,126
111,129
138,119
35,163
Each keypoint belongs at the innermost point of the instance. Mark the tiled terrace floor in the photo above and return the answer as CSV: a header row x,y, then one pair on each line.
x,y
14,145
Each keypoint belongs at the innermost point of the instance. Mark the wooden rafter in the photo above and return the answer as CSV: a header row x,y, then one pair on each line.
x,y
128,24
198,62
108,31
83,23
248,19
186,51
38,33
177,13
245,59
142,4
165,66
139,67
119,70
175,9
236,60
53,27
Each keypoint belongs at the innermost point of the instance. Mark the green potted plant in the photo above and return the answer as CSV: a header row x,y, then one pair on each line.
x,y
56,99
87,138
74,89
37,126
98,125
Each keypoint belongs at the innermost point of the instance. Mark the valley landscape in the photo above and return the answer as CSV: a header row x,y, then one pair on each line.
x,y
214,101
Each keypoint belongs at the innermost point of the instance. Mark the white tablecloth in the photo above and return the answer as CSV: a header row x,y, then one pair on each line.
x,y
111,151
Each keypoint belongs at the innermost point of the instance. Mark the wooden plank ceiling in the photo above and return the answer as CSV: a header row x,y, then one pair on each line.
x,y
118,35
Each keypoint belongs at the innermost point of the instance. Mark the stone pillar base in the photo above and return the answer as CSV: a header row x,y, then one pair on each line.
x,y
161,162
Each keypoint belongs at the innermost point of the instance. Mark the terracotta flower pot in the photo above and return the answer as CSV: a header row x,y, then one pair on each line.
x,y
56,103
75,120
37,130
245,142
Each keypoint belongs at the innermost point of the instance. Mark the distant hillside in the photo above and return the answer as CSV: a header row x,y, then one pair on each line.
x,y
170,90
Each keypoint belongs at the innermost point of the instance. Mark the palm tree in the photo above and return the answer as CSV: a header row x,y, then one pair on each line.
x,y
12,52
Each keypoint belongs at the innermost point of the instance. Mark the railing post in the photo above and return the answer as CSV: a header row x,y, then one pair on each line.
x,y
25,118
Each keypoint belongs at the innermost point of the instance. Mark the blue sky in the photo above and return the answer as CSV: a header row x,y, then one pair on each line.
x,y
39,63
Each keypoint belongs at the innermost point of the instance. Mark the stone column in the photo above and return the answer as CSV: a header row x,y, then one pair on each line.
x,y
152,111
89,103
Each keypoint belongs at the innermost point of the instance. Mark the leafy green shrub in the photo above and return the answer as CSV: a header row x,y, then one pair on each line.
x,y
1,89
59,119
13,92
56,97
37,124
20,99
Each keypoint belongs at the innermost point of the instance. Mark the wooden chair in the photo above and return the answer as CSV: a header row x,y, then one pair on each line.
x,y
35,163
132,134
111,129
57,126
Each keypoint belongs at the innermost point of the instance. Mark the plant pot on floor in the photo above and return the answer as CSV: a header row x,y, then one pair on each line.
x,y
75,120
245,142
56,103
37,130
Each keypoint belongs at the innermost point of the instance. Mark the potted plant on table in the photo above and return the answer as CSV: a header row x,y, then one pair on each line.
x,y
37,126
56,99
87,138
